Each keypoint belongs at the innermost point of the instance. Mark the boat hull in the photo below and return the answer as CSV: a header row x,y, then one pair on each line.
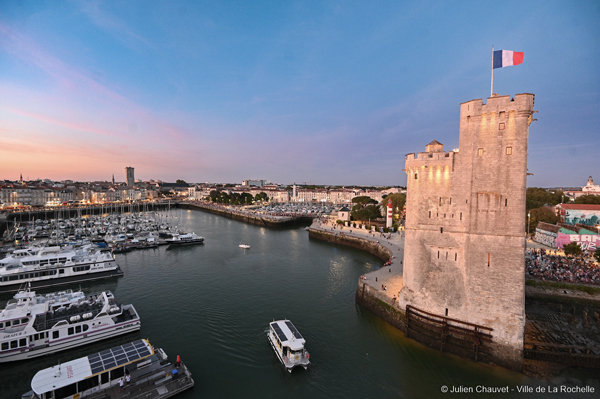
x,y
117,272
113,331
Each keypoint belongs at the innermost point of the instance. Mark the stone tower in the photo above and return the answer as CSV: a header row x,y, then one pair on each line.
x,y
129,176
465,223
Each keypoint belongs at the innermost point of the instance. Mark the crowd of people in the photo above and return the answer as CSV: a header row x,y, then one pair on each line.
x,y
549,266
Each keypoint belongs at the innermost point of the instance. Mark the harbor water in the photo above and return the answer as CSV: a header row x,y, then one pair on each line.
x,y
211,305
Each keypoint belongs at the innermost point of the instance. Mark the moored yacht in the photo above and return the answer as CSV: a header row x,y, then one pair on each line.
x,y
288,344
34,325
49,266
184,239
144,371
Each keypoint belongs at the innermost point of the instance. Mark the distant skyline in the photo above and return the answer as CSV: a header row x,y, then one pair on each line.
x,y
324,92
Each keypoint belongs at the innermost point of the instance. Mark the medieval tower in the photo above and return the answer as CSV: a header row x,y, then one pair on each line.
x,y
465,223
129,176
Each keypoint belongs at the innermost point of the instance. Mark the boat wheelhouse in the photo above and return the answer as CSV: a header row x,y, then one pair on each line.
x,y
34,325
97,376
288,344
50,266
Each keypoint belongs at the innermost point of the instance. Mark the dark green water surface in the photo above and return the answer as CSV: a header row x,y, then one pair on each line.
x,y
211,304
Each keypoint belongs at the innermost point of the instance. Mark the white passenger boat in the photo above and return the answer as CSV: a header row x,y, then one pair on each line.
x,y
50,266
34,325
184,239
288,344
97,376
245,246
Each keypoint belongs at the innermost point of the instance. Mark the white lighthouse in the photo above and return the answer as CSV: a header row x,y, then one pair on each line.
x,y
390,210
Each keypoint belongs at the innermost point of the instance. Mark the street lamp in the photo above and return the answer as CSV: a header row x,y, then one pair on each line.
x,y
528,221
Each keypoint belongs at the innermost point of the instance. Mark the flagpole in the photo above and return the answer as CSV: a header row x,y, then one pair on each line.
x,y
492,88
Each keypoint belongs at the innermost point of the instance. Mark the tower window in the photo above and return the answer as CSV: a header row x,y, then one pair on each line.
x,y
480,152
508,150
441,229
502,114
505,201
429,214
438,254
488,259
501,126
415,176
461,216
446,311
455,256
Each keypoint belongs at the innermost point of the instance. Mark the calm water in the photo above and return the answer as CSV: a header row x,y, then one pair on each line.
x,y
211,304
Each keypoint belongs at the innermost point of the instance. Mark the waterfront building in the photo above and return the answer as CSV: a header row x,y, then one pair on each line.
x,y
589,189
465,230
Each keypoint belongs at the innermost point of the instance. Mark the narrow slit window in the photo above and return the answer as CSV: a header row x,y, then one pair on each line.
x,y
429,214
446,311
441,229
446,255
508,150
455,256
505,201
461,216
415,176
488,259
438,254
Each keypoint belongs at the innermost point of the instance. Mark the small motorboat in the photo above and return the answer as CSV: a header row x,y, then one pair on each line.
x,y
245,246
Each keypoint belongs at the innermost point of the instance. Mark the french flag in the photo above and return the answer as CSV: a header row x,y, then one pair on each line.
x,y
504,58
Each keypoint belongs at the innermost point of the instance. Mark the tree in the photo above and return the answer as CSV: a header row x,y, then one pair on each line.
x,y
572,249
537,197
366,213
214,194
246,198
180,181
363,200
262,196
588,199
597,255
541,214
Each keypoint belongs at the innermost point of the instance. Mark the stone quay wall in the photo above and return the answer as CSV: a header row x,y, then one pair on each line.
x,y
258,220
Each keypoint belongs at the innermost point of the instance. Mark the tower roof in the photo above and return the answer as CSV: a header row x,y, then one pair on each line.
x,y
435,142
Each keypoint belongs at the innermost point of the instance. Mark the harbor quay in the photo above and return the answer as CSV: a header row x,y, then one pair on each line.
x,y
550,312
247,215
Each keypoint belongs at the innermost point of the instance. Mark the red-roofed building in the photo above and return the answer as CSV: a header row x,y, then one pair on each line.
x,y
586,214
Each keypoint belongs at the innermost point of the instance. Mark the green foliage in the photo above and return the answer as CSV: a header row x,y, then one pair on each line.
x,y
363,200
246,198
588,199
262,196
541,214
366,213
180,181
537,197
386,229
354,225
597,255
572,249
339,221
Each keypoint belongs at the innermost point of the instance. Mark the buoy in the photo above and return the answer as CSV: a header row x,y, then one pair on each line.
x,y
307,356
178,360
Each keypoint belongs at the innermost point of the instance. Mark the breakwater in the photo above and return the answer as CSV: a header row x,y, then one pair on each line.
x,y
249,217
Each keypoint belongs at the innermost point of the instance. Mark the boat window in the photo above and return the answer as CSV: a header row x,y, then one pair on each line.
x,y
70,331
11,278
67,391
24,321
55,334
88,383
13,344
117,373
8,324
104,378
1,325
36,274
77,329
23,342
4,346
86,327
61,271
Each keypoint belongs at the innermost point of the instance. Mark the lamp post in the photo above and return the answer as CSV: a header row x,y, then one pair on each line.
x,y
528,222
